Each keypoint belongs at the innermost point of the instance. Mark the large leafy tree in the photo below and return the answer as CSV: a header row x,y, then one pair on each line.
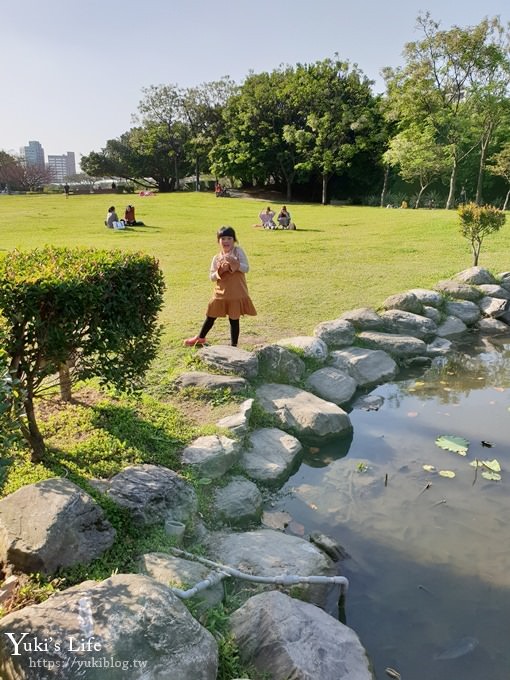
x,y
17,174
418,157
499,165
437,85
341,114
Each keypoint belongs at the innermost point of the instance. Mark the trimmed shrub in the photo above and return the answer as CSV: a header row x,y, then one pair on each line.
x,y
93,312
477,222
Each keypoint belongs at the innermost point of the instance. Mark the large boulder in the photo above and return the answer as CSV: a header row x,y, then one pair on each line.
x,y
50,525
332,384
178,572
303,413
287,638
337,333
407,302
468,312
153,494
475,276
459,290
492,326
364,319
430,298
451,326
239,503
313,348
239,422
231,360
491,290
211,381
272,455
367,366
212,455
280,364
493,307
400,346
407,323
265,552
131,622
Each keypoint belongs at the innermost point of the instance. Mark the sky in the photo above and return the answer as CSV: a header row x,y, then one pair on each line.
x,y
72,72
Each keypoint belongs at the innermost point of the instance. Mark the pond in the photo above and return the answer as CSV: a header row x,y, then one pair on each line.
x,y
429,556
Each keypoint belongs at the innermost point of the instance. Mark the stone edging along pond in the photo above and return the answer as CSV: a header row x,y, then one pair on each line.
x,y
360,349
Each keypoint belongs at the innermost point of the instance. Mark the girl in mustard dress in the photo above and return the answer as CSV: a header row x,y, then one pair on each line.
x,y
230,297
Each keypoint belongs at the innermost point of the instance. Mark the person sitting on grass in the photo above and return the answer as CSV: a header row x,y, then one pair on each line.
x,y
266,217
284,218
129,217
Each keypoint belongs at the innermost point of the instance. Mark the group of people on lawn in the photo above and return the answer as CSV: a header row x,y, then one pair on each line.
x,y
267,219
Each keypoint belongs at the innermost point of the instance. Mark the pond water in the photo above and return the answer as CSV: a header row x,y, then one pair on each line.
x,y
429,556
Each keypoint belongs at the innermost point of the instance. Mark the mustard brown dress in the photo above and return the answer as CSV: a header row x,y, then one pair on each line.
x,y
230,297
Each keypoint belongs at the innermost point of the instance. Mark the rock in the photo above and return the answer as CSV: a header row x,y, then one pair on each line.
x,y
430,298
439,347
211,455
129,617
9,587
407,302
459,290
468,312
369,402
50,525
433,314
210,381
492,326
495,291
303,413
231,360
407,323
328,545
239,503
337,333
313,348
493,307
276,519
475,276
265,552
332,384
177,572
364,319
367,366
280,364
272,456
153,494
287,638
452,325
239,422
400,346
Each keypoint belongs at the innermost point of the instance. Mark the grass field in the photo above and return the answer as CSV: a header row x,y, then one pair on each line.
x,y
339,258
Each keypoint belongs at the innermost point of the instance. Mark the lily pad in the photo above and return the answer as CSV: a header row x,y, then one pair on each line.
x,y
492,476
447,473
492,465
428,468
449,442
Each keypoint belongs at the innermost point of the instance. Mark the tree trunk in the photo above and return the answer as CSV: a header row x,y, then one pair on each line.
x,y
505,205
385,185
418,198
64,377
325,180
289,191
450,201
197,173
479,184
176,173
32,433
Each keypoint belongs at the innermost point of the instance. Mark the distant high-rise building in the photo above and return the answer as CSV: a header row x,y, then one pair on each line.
x,y
33,154
62,167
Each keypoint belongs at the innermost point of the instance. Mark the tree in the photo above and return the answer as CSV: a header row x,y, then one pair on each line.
x,y
477,222
499,165
95,311
447,77
340,117
19,175
418,157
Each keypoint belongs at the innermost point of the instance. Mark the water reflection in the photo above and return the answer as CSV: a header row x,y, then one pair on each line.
x,y
430,564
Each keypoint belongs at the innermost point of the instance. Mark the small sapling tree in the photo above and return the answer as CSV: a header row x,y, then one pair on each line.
x,y
94,311
477,222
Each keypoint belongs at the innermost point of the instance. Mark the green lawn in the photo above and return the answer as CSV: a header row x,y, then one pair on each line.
x,y
338,259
